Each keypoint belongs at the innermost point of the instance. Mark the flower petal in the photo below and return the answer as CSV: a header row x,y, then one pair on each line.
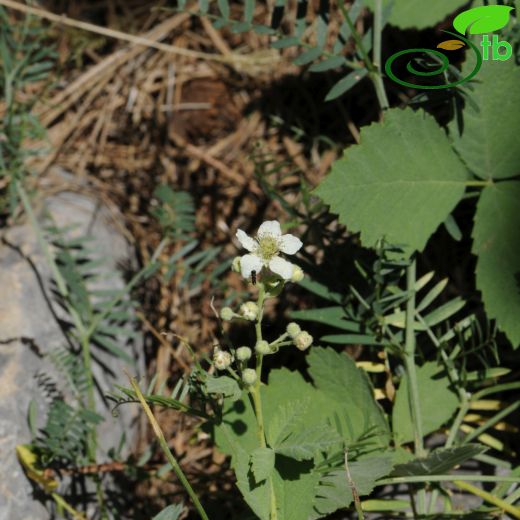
x,y
245,240
281,267
270,227
249,263
289,244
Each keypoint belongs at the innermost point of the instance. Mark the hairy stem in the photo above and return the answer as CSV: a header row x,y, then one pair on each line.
x,y
257,398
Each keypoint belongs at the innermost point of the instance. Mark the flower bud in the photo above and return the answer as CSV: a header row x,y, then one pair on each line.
x,y
243,353
262,347
293,329
303,340
297,274
235,265
249,376
221,359
226,313
249,311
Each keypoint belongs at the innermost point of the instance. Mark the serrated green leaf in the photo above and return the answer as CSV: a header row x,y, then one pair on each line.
x,y
406,14
497,244
488,144
306,442
294,485
256,495
224,385
339,378
262,463
285,421
437,403
481,20
346,83
406,162
439,461
335,490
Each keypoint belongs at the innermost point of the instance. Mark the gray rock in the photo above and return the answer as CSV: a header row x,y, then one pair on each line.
x,y
29,328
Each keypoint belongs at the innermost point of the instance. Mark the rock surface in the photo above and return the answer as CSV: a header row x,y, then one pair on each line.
x,y
29,328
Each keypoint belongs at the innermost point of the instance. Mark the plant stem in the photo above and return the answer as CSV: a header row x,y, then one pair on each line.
x,y
373,69
488,497
445,478
257,398
166,450
376,55
413,387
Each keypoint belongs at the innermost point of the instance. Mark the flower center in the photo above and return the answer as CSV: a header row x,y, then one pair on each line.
x,y
268,246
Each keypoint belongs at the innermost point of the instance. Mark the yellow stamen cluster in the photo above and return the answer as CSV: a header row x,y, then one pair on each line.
x,y
268,246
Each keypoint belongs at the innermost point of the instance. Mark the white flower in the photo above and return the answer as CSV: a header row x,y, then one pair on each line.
x,y
265,248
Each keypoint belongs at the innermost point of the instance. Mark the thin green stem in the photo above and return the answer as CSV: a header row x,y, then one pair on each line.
x,y
166,450
488,497
413,387
377,78
373,71
60,281
445,478
409,352
257,398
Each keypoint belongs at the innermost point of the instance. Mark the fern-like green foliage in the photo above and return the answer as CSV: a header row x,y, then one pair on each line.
x,y
25,59
175,212
106,313
64,436
70,367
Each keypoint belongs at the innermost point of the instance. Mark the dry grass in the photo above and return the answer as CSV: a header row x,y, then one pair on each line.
x,y
177,102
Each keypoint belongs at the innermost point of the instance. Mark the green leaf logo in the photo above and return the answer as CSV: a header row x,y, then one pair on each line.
x,y
480,20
